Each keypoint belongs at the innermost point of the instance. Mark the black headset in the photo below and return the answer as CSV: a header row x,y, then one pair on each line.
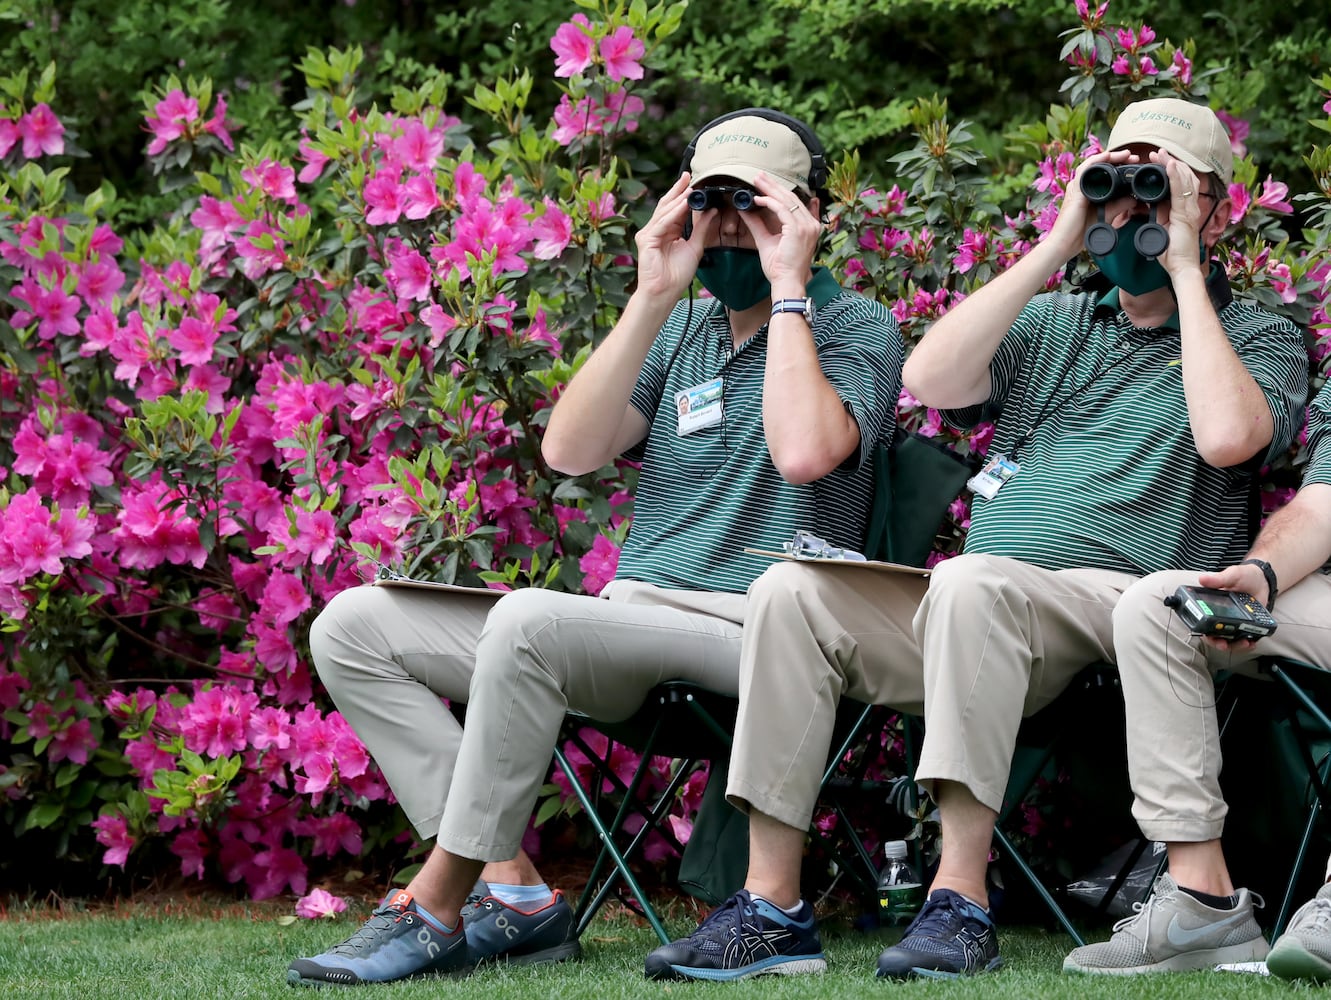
x,y
817,155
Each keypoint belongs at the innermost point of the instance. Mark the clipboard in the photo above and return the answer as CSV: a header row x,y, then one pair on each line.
x,y
874,564
387,578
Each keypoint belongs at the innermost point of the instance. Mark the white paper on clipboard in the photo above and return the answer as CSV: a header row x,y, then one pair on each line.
x,y
874,564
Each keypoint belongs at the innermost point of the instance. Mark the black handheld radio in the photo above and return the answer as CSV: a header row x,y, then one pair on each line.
x,y
1224,614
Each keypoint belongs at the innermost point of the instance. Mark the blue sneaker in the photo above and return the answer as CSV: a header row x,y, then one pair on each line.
x,y
397,942
950,937
743,937
500,932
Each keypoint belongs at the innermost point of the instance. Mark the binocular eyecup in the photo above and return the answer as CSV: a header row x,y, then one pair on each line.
x,y
1146,182
701,199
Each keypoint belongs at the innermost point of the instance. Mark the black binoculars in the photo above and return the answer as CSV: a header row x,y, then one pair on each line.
x,y
1148,183
701,199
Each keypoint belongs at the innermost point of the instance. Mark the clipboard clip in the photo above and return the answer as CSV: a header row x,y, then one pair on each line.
x,y
806,545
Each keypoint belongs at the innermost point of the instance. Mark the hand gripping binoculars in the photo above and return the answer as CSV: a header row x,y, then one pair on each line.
x,y
1148,183
701,199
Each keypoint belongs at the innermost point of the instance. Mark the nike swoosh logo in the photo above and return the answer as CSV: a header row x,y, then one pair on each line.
x,y
1182,937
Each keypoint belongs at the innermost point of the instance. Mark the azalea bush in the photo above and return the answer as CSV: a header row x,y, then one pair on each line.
x,y
335,351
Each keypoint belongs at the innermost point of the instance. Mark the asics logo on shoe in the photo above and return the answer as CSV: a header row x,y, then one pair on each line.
x,y
1182,937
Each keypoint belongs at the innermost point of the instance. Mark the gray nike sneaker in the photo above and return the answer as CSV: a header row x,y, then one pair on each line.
x,y
1304,950
1175,932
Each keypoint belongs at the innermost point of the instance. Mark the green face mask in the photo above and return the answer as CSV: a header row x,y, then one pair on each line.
x,y
734,275
1128,269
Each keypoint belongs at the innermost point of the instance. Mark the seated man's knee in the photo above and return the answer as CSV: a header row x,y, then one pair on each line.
x,y
521,615
781,585
341,627
1144,601
967,574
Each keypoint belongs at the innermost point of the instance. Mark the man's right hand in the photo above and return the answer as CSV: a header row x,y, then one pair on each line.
x,y
1076,214
1245,578
667,261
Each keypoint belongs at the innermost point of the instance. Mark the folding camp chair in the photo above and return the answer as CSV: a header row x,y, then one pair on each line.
x,y
1303,689
678,720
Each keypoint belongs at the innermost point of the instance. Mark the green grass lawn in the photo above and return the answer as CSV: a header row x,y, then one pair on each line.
x,y
194,950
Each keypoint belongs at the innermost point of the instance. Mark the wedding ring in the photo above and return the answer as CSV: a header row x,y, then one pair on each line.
x,y
1186,194
795,207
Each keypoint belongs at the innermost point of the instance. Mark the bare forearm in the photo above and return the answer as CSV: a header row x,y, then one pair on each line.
x,y
808,431
949,367
1296,539
593,421
1229,415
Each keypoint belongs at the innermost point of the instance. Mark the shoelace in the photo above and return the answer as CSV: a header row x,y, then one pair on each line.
x,y
380,920
1314,915
1142,911
937,918
730,914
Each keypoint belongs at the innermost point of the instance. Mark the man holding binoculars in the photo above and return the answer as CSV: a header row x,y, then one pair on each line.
x,y
1129,425
754,414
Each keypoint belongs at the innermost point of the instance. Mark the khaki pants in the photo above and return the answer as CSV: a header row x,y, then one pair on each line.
x,y
983,642
520,661
1169,696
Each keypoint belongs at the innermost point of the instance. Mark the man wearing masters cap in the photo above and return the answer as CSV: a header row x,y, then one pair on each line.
x,y
1129,422
754,413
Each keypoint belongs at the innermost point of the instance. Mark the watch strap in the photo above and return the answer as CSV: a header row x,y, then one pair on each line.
x,y
803,306
1270,574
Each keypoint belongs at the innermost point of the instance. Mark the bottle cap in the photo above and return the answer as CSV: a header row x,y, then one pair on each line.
x,y
895,849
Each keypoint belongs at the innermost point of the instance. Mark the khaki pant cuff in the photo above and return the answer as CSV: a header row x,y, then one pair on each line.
x,y
928,773
1182,831
476,850
747,798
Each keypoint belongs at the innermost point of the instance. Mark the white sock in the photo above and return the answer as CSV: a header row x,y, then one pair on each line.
x,y
788,911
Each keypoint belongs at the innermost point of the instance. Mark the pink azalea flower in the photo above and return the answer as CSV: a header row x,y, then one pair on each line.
x,y
384,197
573,46
194,339
316,535
218,127
73,743
1273,196
1182,67
273,179
42,133
599,564
113,834
9,136
174,114
1238,130
314,161
621,51
285,598
419,196
553,231
319,904
419,148
409,275
338,832
275,870
191,847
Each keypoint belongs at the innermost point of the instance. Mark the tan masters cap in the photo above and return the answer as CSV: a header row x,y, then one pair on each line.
x,y
1192,132
739,147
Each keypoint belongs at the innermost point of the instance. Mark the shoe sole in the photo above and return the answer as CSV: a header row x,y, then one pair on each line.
x,y
567,952
1188,961
294,978
768,967
920,973
1290,960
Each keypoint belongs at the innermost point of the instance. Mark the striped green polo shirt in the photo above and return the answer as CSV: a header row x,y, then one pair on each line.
x,y
1109,473
702,497
1318,469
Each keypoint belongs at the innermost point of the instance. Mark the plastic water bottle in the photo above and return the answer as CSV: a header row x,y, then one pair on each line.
x,y
900,892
